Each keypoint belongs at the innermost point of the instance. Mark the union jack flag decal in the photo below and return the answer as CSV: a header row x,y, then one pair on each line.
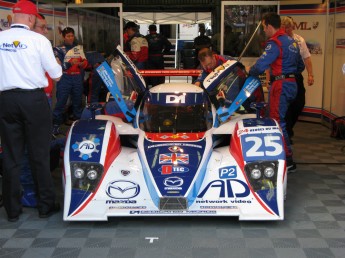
x,y
173,158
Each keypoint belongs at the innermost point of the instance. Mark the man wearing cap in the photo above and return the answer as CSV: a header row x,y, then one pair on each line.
x,y
25,115
158,46
136,46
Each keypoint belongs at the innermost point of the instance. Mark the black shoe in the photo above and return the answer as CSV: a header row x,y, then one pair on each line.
x,y
51,211
291,166
14,218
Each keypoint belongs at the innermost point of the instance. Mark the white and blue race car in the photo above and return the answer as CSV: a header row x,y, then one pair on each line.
x,y
174,150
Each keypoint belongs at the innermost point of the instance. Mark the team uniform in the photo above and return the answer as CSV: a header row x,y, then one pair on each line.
x,y
71,82
137,50
25,115
158,46
283,57
296,107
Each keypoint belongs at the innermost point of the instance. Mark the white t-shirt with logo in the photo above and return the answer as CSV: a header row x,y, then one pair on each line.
x,y
25,56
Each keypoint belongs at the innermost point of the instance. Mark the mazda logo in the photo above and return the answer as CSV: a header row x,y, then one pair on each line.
x,y
173,181
122,189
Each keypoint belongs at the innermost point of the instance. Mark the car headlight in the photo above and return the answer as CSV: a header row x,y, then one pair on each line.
x,y
255,173
92,174
86,175
262,174
79,173
269,172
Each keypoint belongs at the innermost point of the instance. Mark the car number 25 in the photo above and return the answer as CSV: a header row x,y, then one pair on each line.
x,y
262,146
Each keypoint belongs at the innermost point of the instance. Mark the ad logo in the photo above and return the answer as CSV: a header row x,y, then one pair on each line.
x,y
122,189
86,147
229,188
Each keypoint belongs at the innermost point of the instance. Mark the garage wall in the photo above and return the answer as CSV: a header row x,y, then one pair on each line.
x,y
321,25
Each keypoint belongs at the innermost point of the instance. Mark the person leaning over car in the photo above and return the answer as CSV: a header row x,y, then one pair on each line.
x,y
210,60
25,115
296,107
282,56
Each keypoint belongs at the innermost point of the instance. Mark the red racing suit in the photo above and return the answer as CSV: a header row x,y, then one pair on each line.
x,y
283,58
137,49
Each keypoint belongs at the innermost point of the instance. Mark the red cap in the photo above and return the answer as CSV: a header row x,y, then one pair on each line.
x,y
25,6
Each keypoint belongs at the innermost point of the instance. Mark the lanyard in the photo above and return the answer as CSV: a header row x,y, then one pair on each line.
x,y
19,26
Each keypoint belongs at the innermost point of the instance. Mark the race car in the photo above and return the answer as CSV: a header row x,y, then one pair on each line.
x,y
175,149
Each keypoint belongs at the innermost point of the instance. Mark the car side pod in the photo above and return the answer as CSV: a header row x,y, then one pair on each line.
x,y
85,164
257,146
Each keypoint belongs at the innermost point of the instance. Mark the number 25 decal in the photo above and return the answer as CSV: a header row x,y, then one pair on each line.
x,y
268,145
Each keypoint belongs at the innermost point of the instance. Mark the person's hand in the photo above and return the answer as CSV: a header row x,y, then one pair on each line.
x,y
74,61
310,79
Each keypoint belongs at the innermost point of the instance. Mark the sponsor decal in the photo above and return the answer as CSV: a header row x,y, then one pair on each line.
x,y
175,99
224,201
122,189
228,172
173,183
268,47
126,207
86,147
293,48
172,212
215,75
175,149
105,77
120,202
242,131
226,188
173,158
13,47
174,144
168,169
218,207
125,172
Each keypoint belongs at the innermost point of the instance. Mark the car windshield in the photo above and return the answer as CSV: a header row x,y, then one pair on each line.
x,y
157,118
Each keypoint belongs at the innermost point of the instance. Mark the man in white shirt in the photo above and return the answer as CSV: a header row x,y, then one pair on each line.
x,y
25,115
296,107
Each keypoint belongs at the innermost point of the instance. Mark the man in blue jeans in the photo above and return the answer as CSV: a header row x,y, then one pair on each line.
x,y
72,59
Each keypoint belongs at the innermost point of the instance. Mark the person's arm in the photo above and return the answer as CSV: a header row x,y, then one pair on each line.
x,y
135,49
270,54
60,57
200,78
49,62
309,67
167,46
83,61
